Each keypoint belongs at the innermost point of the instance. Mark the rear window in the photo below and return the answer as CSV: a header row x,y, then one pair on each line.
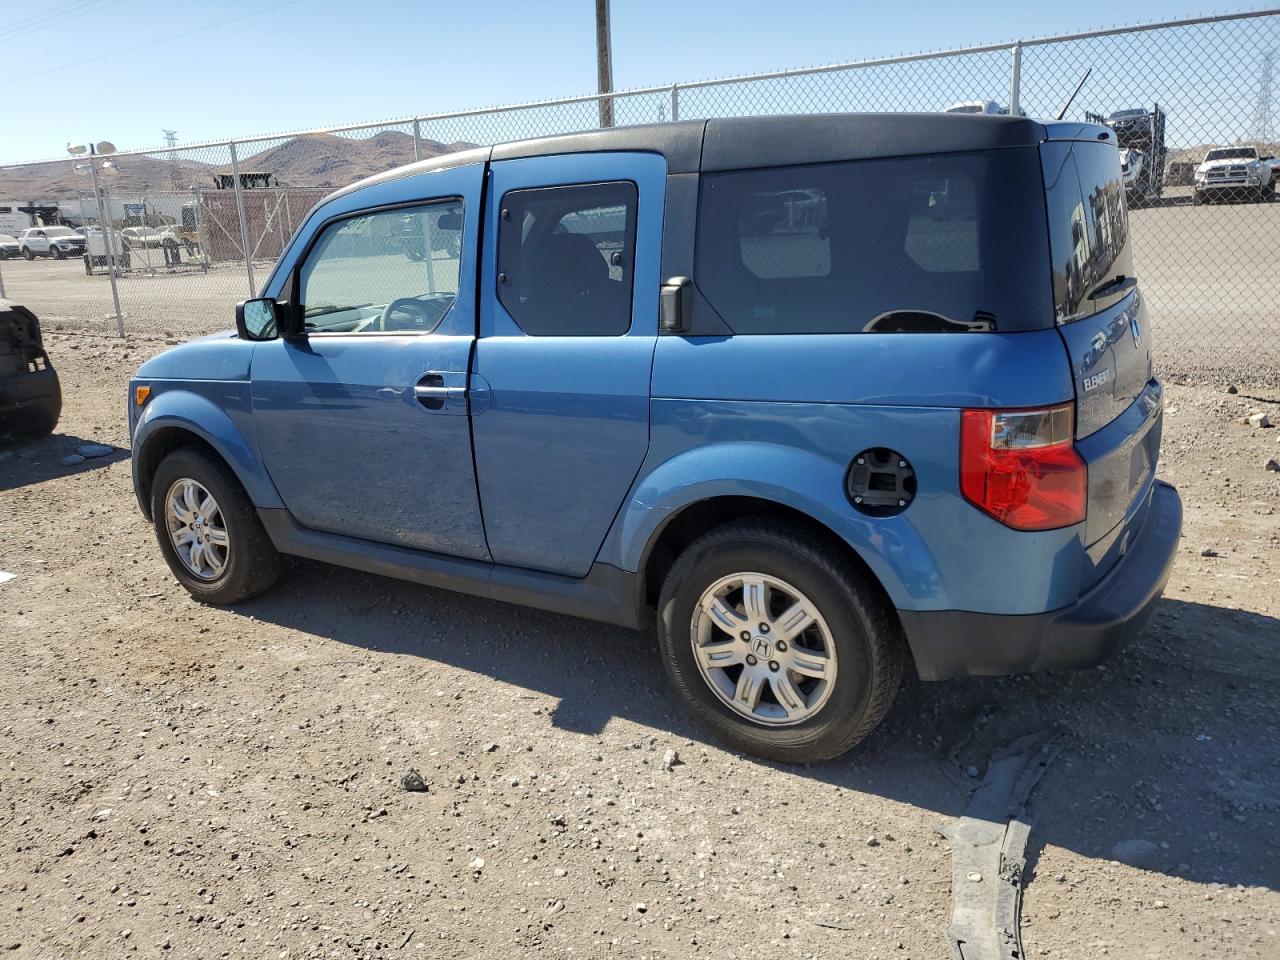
x,y
1088,226
918,244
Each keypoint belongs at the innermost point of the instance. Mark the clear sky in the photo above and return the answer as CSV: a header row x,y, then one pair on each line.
x,y
124,69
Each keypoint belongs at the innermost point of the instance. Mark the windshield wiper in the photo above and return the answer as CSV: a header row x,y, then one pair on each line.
x,y
1116,284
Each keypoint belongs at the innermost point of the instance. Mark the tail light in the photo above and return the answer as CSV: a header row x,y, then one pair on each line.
x,y
1021,466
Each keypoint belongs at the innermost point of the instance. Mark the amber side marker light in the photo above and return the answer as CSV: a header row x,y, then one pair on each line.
x,y
140,395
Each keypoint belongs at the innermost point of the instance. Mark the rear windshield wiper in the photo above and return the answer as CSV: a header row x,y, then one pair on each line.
x,y
1117,284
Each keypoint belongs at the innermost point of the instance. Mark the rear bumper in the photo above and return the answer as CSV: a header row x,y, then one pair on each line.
x,y
956,643
29,400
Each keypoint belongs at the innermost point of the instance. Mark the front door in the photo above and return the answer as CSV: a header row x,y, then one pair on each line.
x,y
362,421
568,324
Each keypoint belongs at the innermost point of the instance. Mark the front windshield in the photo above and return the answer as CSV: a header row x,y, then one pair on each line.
x,y
1232,153
361,267
1126,114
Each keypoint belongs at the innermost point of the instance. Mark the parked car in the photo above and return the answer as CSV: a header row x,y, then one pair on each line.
x,y
56,242
148,236
9,247
30,396
1134,124
901,413
1234,173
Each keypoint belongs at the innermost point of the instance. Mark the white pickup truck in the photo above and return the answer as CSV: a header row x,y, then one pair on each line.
x,y
1234,173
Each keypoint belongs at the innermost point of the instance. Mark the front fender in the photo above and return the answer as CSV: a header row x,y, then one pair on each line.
x,y
187,408
802,480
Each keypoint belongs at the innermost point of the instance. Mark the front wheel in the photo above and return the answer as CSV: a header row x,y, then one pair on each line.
x,y
26,252
208,530
781,649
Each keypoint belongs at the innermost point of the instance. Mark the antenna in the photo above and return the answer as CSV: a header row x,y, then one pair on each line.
x,y
1074,93
175,174
1263,116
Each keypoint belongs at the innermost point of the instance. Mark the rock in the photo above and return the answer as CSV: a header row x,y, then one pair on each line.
x,y
642,908
477,864
971,770
72,459
872,842
489,747
1208,552
1232,389
1138,853
1272,465
91,450
671,759
413,782
554,907
1259,420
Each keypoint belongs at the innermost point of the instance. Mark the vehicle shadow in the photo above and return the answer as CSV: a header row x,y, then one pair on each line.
x,y
1169,758
24,462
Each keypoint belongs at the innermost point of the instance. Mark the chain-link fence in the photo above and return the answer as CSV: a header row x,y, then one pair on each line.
x,y
190,230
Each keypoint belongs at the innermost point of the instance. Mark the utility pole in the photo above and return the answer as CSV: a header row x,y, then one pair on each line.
x,y
604,62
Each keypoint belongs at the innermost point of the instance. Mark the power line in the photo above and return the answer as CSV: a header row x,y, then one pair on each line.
x,y
151,43
49,20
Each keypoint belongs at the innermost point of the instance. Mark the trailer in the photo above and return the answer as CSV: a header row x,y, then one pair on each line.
x,y
1140,137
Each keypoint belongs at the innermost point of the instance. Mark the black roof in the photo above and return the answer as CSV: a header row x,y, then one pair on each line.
x,y
741,142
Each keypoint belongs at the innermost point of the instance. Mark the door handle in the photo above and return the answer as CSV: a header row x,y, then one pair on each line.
x,y
435,393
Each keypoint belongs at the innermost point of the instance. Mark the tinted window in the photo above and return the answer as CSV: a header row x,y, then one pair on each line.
x,y
565,259
361,266
1088,225
947,242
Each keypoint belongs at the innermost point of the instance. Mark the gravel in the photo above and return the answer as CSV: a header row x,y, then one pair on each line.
x,y
236,774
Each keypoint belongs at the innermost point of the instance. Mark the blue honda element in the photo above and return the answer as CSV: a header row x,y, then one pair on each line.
x,y
813,395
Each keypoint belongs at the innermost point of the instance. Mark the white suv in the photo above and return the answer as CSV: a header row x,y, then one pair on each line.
x,y
56,242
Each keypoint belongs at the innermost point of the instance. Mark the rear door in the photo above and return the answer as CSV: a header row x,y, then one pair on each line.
x,y
568,323
1103,322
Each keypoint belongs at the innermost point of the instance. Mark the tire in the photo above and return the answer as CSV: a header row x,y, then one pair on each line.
x,y
56,253
26,252
860,624
251,561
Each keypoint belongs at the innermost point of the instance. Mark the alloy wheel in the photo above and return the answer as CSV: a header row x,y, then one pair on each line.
x,y
197,529
764,649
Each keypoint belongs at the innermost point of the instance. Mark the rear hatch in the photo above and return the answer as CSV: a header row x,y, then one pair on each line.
x,y
1102,320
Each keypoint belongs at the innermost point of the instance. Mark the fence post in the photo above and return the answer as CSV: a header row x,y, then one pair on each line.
x,y
675,103
1015,80
417,140
104,224
244,224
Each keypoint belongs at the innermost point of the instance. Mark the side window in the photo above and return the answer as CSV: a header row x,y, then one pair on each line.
x,y
390,271
1108,217
928,243
1068,231
566,258
1088,224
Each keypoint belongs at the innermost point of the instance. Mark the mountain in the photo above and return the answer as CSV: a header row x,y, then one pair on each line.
x,y
58,179
318,160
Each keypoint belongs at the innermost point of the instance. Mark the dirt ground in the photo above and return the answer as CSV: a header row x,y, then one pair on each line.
x,y
185,781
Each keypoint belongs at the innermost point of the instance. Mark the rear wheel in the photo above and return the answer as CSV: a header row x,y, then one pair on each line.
x,y
208,530
778,648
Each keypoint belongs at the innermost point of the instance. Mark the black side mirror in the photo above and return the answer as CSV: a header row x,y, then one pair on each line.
x,y
675,305
257,319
